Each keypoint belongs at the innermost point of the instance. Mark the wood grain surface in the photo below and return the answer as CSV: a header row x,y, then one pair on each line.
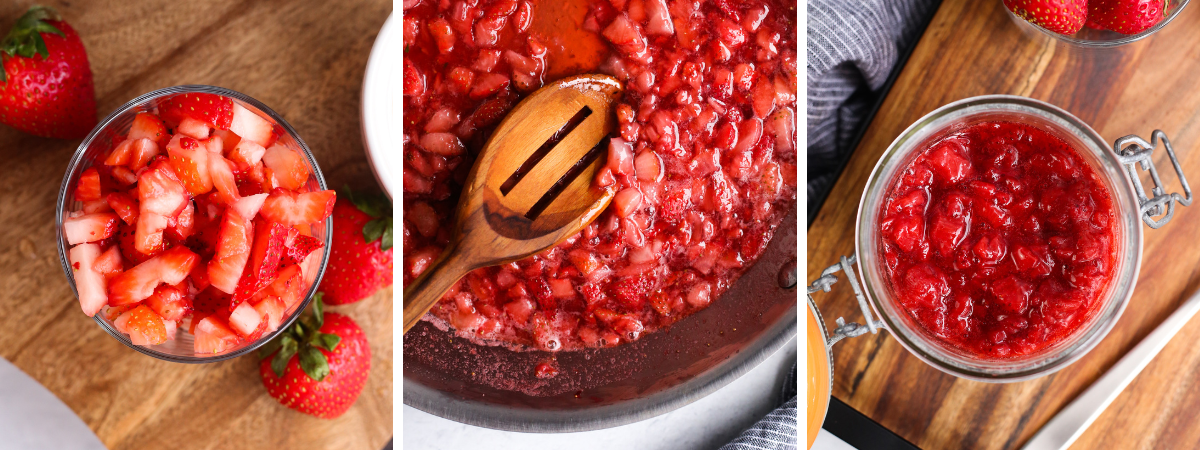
x,y
973,48
305,59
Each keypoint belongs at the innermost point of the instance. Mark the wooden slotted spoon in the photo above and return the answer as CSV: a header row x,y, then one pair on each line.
x,y
531,186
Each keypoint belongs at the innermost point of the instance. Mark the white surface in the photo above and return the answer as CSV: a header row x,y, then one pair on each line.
x,y
827,441
32,418
381,107
703,425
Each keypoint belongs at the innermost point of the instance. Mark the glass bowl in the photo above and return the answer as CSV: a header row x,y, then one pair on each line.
x,y
1089,38
98,143
1128,242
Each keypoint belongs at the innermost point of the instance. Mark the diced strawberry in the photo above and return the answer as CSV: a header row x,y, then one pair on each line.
x,y
228,140
143,326
124,176
489,84
246,154
267,250
126,237
632,291
160,191
138,283
232,252
148,126
221,172
250,126
90,227
627,36
189,159
214,144
88,280
109,263
273,309
148,234
144,150
299,249
96,206
192,128
88,188
288,166
121,154
293,208
244,319
171,326
289,286
212,109
169,302
584,260
249,205
213,336
184,224
210,301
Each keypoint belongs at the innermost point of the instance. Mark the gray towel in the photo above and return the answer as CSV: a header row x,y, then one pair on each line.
x,y
778,430
852,48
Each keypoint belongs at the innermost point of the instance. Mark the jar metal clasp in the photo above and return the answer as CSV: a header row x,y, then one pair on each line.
x,y
825,283
1133,150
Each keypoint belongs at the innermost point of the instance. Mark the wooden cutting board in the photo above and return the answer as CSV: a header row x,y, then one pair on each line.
x,y
973,48
305,59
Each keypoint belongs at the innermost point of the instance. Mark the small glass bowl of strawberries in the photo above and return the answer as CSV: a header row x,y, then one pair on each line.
x,y
1094,23
193,224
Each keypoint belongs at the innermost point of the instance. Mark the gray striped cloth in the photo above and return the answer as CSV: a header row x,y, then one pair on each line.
x,y
852,48
778,430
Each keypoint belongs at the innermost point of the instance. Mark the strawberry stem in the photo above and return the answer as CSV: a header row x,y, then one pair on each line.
x,y
303,339
25,39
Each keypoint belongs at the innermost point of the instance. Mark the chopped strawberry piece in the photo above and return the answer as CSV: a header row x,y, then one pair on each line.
x,y
273,309
249,205
126,241
289,285
171,327
251,127
293,208
148,234
88,188
144,150
632,292
192,128
228,140
138,283
96,206
148,126
245,319
299,249
90,227
183,225
214,336
124,176
199,276
246,154
232,252
88,280
143,326
221,172
121,154
210,301
489,84
268,249
212,109
169,302
190,160
160,191
109,263
287,166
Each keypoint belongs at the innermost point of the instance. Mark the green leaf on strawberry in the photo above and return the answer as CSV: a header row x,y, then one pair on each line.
x,y
46,86
25,39
303,339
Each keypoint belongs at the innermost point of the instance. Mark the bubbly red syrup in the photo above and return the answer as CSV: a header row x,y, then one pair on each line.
x,y
703,159
998,239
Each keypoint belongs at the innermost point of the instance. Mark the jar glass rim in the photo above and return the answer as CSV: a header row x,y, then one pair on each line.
x,y
1169,15
1128,243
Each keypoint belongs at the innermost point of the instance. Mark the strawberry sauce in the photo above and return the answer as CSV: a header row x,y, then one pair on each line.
x,y
999,239
703,159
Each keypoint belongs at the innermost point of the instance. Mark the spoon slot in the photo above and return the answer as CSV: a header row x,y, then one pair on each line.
x,y
567,178
542,151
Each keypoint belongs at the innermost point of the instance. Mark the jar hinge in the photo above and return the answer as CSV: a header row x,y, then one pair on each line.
x,y
1132,150
825,283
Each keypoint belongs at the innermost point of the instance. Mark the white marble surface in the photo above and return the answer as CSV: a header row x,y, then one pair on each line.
x,y
827,441
703,425
32,418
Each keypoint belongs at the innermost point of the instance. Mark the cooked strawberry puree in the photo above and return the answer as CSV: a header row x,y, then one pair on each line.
x,y
999,239
704,158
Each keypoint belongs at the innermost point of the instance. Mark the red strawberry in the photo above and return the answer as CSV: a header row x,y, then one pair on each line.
x,y
299,249
295,208
212,109
1060,16
1125,16
360,259
46,86
322,372
632,291
88,188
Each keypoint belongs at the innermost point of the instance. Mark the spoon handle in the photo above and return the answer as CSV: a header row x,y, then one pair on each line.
x,y
1073,420
428,288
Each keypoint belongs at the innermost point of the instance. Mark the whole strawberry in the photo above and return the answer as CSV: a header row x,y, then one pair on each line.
x,y
318,366
46,87
360,255
1125,16
1060,16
